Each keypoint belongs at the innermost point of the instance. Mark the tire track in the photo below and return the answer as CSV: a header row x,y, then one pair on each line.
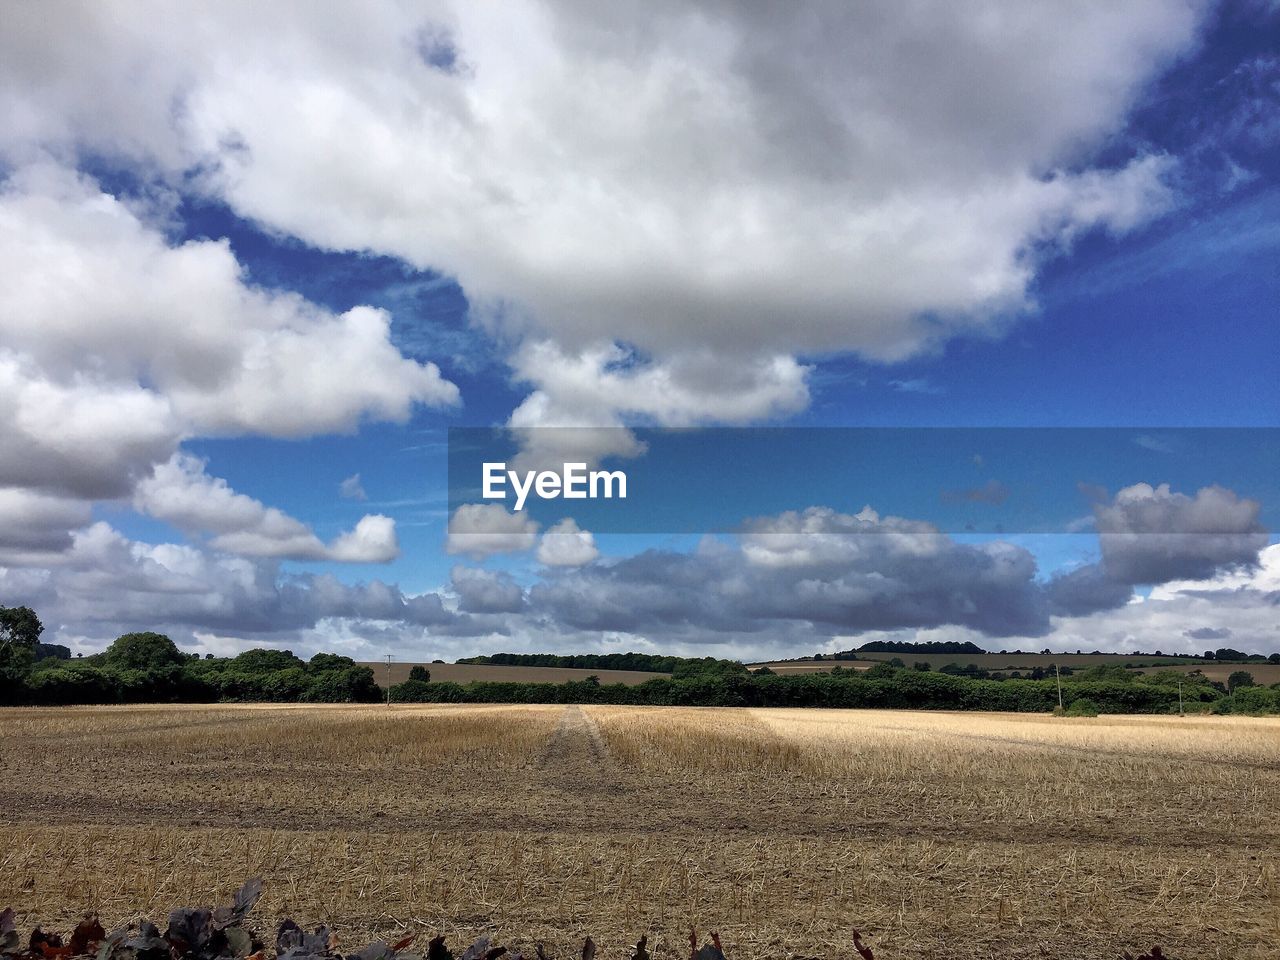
x,y
576,758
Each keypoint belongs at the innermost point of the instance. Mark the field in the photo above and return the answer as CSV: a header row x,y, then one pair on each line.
x,y
470,672
938,835
1264,673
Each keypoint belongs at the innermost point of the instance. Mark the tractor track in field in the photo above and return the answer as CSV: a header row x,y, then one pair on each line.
x,y
576,758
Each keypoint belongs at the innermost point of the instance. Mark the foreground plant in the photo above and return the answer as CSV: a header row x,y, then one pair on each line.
x,y
220,933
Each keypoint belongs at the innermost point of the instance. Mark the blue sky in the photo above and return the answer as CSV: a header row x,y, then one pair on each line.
x,y
744,223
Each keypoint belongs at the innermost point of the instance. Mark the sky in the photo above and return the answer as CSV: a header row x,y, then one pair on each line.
x,y
263,265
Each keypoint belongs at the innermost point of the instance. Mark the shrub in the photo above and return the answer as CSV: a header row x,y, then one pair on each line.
x,y
1082,707
1240,678
142,651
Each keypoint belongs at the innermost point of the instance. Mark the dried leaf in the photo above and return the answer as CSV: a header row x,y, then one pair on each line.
x,y
239,940
289,936
9,939
189,930
247,896
87,934
403,942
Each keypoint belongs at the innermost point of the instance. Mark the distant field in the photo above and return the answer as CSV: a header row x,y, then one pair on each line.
x,y
988,661
469,672
938,835
1263,673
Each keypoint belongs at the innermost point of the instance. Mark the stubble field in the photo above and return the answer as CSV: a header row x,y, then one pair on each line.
x,y
936,835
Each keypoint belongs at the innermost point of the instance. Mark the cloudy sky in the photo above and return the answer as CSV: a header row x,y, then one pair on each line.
x,y
258,259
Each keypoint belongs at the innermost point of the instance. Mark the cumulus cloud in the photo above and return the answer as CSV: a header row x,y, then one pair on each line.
x,y
1154,534
818,569
105,584
1180,615
723,180
180,492
588,395
481,530
34,523
903,583
486,591
1084,590
97,294
653,213
118,345
565,545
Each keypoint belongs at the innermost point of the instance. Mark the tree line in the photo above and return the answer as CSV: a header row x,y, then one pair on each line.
x,y
1105,689
149,668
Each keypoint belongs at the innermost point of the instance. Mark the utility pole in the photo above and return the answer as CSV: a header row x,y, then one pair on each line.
x,y
1058,673
1180,713
389,659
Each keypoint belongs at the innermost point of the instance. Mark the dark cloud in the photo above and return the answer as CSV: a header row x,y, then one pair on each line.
x,y
484,591
1085,590
106,585
788,581
1154,535
1208,633
820,569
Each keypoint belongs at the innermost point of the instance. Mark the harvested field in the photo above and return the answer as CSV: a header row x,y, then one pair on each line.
x,y
470,672
938,835
1263,673
987,661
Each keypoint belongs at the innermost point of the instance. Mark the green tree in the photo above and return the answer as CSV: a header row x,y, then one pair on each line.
x,y
329,661
143,651
20,627
420,673
1240,678
259,660
20,631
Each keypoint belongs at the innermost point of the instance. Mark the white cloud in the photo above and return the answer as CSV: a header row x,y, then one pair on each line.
x,y
727,179
1241,601
565,545
352,489
180,492
372,541
85,438
588,395
481,530
118,345
94,293
106,584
